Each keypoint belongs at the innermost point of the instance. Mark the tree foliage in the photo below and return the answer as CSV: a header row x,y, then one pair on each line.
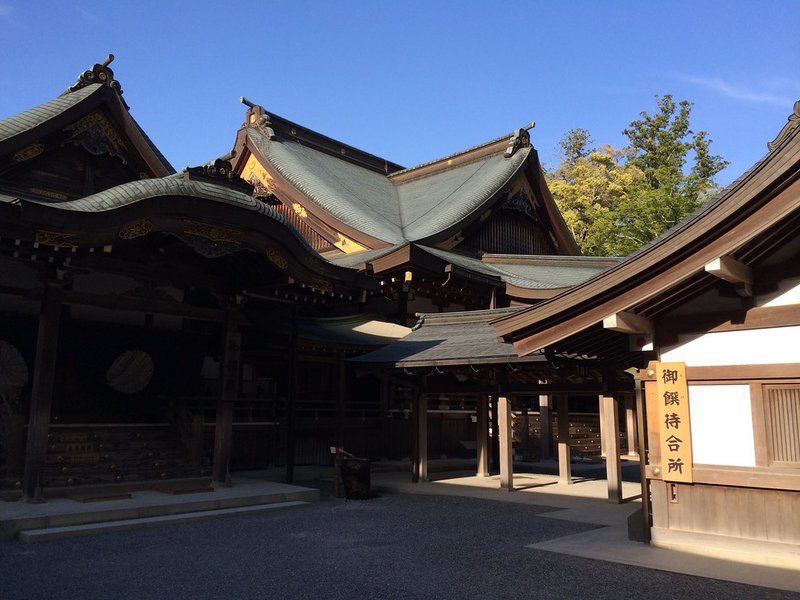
x,y
616,200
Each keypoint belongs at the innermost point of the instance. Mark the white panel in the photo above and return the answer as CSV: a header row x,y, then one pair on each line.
x,y
789,293
722,425
777,345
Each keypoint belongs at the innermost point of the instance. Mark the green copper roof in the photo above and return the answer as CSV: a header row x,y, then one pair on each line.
x,y
395,211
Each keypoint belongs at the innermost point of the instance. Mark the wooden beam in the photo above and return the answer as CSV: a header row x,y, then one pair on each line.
x,y
422,425
145,305
729,269
229,380
506,444
44,369
483,435
564,458
609,432
545,430
628,322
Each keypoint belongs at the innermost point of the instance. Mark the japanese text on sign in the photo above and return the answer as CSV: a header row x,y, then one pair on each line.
x,y
672,397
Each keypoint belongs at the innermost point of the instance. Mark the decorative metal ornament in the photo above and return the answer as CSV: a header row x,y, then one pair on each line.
x,y
131,372
136,229
28,152
58,239
277,259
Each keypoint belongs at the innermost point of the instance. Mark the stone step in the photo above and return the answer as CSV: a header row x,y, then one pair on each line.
x,y
56,533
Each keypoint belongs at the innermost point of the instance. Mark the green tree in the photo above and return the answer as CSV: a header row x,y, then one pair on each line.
x,y
588,186
618,200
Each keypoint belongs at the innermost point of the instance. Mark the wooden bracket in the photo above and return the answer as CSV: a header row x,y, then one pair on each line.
x,y
729,269
628,322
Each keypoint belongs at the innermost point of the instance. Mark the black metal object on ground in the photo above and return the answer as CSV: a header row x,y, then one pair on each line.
x,y
356,478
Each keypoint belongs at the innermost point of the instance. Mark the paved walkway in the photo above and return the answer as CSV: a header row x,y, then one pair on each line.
x,y
585,501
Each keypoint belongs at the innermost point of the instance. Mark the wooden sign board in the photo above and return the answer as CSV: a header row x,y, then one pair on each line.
x,y
672,398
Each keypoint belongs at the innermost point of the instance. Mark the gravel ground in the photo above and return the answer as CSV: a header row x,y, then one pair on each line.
x,y
393,546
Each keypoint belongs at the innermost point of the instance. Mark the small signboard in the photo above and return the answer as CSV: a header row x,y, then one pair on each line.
x,y
672,397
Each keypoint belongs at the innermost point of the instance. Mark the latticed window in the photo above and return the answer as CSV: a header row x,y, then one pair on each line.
x,y
782,415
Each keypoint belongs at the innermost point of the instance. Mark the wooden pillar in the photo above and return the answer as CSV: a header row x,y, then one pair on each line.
x,y
384,408
341,399
414,442
630,425
495,439
506,443
291,400
422,436
525,431
223,431
44,370
564,458
603,430
482,412
609,431
545,431
15,453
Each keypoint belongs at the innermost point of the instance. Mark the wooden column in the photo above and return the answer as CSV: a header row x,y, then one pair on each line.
x,y
564,458
413,429
44,370
422,436
601,409
630,425
223,432
494,452
291,400
525,433
384,407
341,399
506,443
482,413
609,431
545,432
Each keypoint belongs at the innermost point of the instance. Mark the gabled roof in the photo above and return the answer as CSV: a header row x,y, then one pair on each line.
x,y
524,276
754,220
377,202
96,88
447,339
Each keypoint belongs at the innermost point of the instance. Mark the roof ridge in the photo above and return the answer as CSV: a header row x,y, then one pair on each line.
x,y
511,137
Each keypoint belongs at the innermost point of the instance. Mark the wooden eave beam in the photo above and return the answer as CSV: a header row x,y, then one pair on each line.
x,y
581,301
144,305
729,269
628,322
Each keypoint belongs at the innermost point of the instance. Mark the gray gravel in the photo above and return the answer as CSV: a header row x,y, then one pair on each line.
x,y
394,546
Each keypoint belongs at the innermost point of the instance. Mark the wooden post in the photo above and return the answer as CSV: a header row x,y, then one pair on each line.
x,y
44,369
641,437
422,436
525,430
603,432
506,444
482,422
223,431
495,439
545,431
413,426
15,456
630,424
291,400
384,408
609,431
564,458
341,398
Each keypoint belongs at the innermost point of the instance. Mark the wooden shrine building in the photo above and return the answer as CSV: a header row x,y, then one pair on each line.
x,y
719,295
162,325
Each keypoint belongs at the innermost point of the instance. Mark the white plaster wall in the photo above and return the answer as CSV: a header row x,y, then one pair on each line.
x,y
788,293
722,425
778,345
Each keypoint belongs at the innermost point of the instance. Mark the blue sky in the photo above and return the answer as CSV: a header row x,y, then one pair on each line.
x,y
413,81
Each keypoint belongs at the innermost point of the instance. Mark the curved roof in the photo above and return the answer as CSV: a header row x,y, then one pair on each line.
x,y
377,199
749,219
